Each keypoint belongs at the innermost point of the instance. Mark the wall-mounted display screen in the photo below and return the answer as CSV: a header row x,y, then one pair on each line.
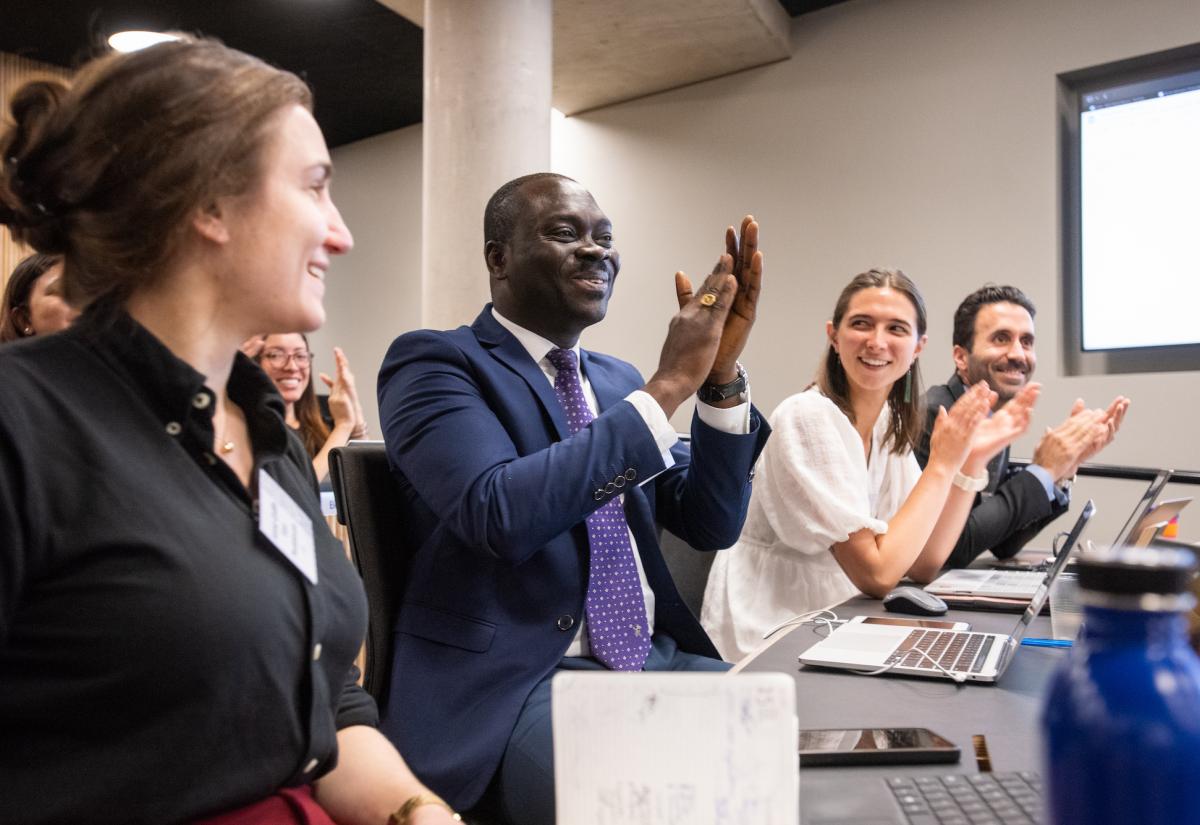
x,y
1139,184
1131,217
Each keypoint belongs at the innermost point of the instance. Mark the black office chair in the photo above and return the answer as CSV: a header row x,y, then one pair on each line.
x,y
368,501
368,504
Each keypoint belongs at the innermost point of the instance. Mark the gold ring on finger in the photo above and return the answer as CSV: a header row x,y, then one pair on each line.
x,y
708,299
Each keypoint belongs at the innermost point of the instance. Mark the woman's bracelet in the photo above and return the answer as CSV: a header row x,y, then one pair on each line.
x,y
404,814
972,484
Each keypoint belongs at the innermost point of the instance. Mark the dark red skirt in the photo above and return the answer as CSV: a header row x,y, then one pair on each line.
x,y
287,806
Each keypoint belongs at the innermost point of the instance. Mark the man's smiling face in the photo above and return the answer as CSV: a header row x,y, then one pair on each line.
x,y
1002,350
556,274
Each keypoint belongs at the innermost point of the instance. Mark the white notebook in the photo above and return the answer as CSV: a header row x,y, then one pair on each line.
x,y
675,748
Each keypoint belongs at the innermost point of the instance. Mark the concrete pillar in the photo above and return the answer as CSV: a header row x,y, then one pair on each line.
x,y
488,80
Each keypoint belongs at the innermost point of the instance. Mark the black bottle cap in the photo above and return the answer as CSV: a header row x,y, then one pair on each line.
x,y
1136,570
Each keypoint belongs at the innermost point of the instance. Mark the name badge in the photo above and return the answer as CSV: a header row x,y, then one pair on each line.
x,y
286,526
328,503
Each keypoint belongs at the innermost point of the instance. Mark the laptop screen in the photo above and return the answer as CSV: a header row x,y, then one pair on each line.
x,y
1039,598
1143,506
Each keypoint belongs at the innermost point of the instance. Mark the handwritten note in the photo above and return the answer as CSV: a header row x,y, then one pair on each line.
x,y
675,749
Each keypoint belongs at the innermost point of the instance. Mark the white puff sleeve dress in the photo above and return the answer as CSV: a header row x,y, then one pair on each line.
x,y
814,487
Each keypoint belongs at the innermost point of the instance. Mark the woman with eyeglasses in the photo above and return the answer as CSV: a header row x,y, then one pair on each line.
x,y
287,361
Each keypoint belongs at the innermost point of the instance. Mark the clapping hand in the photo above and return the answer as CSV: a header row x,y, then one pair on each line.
x,y
954,431
1004,427
253,345
1087,431
693,336
344,405
1113,418
747,266
711,329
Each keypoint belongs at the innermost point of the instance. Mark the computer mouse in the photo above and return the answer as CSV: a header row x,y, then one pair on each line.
x,y
914,601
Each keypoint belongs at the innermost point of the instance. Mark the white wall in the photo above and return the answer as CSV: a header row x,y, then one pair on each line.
x,y
910,133
374,293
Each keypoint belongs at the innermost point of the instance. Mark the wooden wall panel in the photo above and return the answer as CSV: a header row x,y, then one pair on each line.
x,y
14,71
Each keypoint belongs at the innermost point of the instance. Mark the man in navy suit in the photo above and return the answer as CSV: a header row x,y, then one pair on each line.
x,y
509,443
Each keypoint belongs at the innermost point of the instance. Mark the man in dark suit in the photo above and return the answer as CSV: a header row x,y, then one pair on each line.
x,y
993,342
534,475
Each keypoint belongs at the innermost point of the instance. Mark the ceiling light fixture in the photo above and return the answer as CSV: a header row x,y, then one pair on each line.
x,y
131,41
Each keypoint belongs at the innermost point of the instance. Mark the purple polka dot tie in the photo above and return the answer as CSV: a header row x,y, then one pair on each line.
x,y
616,610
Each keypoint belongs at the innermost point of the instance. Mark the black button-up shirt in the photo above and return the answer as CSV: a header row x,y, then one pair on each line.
x,y
160,660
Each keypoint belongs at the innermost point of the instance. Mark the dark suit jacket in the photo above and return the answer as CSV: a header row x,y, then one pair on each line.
x,y
1013,508
495,494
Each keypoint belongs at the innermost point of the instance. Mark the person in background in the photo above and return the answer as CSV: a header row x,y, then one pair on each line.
x,y
287,361
33,302
176,632
840,505
994,342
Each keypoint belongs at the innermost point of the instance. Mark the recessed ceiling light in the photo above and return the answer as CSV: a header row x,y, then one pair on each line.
x,y
132,41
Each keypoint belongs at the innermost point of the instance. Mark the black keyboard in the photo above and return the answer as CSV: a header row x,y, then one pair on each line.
x,y
952,649
970,799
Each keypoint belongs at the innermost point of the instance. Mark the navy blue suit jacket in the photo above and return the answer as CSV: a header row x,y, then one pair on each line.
x,y
494,497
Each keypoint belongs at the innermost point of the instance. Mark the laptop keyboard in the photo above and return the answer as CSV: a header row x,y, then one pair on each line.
x,y
974,799
952,649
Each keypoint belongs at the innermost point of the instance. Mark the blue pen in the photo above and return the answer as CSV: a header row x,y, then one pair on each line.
x,y
1047,642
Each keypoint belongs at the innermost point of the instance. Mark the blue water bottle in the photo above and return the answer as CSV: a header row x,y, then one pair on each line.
x,y
1122,719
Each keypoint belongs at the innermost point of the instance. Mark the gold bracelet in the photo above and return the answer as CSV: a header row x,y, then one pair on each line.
x,y
405,812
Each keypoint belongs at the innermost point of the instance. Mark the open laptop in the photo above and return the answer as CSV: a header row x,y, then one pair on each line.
x,y
1144,506
1151,525
961,656
988,589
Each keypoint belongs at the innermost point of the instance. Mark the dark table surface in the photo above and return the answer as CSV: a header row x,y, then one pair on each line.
x,y
1006,713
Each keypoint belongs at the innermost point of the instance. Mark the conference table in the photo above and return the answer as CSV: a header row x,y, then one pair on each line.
x,y
1005,713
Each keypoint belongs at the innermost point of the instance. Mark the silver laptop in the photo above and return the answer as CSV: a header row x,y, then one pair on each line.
x,y
1151,525
1005,583
1144,507
959,655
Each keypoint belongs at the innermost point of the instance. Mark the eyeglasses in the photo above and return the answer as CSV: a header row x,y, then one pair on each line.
x,y
279,358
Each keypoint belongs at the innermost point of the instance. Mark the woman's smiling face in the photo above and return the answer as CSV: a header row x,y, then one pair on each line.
x,y
286,361
877,339
283,233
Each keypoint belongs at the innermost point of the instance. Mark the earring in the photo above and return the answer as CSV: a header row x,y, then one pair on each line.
x,y
908,386
29,330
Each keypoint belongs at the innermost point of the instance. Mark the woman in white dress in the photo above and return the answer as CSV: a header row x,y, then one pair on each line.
x,y
839,504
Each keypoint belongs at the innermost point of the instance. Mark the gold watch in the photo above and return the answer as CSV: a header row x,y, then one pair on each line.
x,y
403,815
